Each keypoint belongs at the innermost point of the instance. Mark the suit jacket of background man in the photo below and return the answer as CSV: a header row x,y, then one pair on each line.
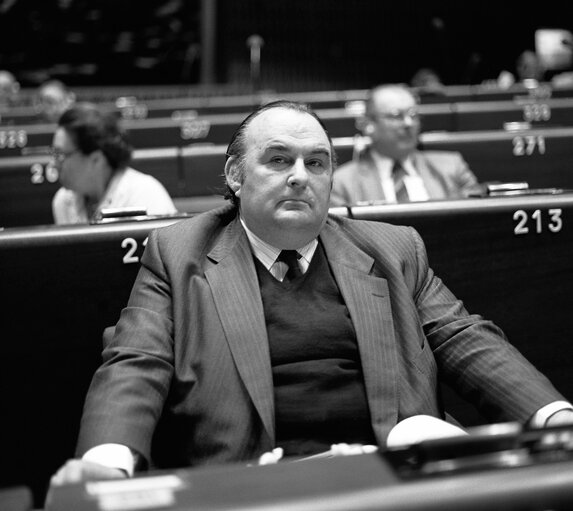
x,y
191,347
445,175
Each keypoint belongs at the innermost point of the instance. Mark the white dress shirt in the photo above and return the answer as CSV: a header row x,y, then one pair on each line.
x,y
412,181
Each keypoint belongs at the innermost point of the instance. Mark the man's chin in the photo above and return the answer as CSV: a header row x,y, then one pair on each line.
x,y
295,217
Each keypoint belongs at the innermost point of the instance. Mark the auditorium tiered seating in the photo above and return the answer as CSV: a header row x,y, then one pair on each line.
x,y
506,258
141,103
185,127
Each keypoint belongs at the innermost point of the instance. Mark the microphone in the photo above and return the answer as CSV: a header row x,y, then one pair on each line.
x,y
255,42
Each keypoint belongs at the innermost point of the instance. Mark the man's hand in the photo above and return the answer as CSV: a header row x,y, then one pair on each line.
x,y
560,418
76,471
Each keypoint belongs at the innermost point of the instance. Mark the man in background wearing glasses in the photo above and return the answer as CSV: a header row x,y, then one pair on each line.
x,y
392,169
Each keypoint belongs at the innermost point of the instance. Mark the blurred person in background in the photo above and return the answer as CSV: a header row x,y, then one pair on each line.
x,y
9,88
52,99
426,81
92,155
392,168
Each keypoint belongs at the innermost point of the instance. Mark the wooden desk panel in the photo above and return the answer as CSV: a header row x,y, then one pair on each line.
x,y
493,115
187,128
543,157
363,482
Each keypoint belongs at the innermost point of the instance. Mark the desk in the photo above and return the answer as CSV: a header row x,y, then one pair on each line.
x,y
492,115
543,157
141,104
506,258
354,483
28,183
187,128
61,286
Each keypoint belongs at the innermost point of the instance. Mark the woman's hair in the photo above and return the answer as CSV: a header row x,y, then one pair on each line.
x,y
92,129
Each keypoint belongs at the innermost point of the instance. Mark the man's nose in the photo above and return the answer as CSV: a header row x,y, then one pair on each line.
x,y
299,174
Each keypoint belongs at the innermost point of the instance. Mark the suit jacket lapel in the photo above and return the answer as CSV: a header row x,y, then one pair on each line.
x,y
433,180
369,179
368,301
234,285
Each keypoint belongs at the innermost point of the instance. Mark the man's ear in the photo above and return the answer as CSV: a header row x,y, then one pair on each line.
x,y
233,174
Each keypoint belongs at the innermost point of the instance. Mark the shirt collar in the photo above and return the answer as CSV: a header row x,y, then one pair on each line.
x,y
267,254
384,164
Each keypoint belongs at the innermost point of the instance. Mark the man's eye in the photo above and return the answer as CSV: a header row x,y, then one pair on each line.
x,y
279,160
316,164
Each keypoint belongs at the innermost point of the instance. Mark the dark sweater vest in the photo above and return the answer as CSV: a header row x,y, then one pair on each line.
x,y
320,398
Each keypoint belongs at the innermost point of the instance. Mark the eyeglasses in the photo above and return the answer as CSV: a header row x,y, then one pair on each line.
x,y
399,115
60,156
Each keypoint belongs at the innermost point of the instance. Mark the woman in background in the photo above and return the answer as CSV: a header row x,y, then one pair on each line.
x,y
92,155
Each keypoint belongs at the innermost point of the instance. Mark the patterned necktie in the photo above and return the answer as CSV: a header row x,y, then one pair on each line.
x,y
398,174
290,257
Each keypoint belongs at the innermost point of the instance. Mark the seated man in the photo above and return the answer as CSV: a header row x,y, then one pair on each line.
x,y
9,89
392,169
269,324
52,99
91,153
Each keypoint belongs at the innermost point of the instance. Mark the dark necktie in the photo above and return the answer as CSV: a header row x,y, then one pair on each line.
x,y
398,174
290,257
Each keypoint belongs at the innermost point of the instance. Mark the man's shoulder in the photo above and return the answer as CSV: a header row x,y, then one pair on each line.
x,y
352,227
133,177
352,166
200,225
441,157
377,239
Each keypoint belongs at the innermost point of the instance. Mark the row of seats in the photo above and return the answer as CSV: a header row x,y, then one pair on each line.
x,y
541,157
181,128
506,258
139,105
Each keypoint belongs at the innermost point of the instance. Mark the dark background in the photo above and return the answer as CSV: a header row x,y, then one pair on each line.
x,y
308,44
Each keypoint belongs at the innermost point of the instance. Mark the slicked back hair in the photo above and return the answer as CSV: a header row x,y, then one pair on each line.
x,y
238,148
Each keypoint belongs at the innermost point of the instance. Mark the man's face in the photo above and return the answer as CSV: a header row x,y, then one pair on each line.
x,y
52,102
287,177
395,123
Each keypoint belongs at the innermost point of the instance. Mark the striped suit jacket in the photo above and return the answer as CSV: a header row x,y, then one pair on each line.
x,y
187,380
445,174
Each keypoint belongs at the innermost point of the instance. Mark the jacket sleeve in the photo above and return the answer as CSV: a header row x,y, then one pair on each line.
x,y
466,180
473,355
127,393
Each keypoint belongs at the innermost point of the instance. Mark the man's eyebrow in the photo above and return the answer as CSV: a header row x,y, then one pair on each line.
x,y
279,146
